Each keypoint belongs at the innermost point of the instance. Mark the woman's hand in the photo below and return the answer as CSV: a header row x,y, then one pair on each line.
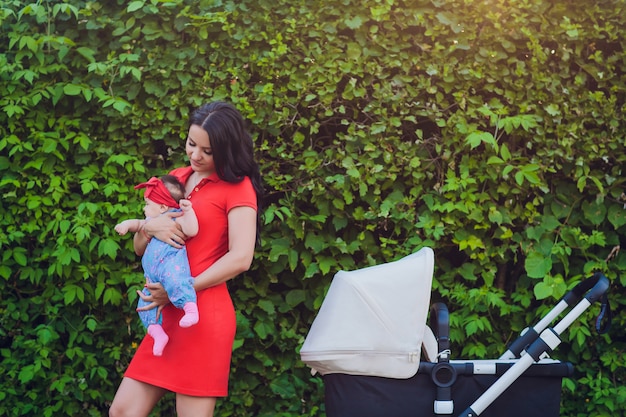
x,y
166,230
158,297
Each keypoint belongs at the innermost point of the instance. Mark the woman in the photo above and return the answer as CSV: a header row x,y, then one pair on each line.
x,y
224,184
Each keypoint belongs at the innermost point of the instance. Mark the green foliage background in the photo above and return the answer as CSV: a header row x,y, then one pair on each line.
x,y
492,131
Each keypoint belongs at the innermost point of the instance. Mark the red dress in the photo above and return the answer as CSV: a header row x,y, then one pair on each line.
x,y
196,360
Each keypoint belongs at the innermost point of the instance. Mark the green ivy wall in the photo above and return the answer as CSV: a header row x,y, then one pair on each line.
x,y
492,131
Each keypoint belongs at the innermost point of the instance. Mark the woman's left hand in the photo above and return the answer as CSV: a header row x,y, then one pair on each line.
x,y
158,298
163,228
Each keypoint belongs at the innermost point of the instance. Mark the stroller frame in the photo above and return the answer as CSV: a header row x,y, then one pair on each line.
x,y
525,365
537,343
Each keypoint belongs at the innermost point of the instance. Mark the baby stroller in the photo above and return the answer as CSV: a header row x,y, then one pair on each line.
x,y
370,334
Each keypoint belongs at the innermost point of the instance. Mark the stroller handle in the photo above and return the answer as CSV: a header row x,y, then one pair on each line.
x,y
592,289
595,289
440,323
443,374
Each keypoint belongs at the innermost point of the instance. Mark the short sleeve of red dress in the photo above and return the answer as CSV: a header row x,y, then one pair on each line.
x,y
196,360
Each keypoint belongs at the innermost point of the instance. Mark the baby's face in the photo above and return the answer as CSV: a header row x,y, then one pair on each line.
x,y
152,209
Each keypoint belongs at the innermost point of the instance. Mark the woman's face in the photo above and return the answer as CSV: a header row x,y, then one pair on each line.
x,y
198,148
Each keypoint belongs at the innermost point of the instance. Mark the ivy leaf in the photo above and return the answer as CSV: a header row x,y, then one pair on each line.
x,y
354,23
26,374
572,33
279,248
594,212
327,264
111,296
283,387
72,292
311,270
617,215
134,6
87,53
295,297
449,19
467,271
495,216
474,139
20,257
553,110
72,89
267,306
91,324
44,335
294,258
504,152
542,290
537,265
263,329
108,247
100,287
315,242
5,271
354,51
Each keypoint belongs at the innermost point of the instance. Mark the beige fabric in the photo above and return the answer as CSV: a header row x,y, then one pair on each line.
x,y
372,320
429,346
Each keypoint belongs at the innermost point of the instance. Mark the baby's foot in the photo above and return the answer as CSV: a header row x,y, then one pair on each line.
x,y
160,339
191,316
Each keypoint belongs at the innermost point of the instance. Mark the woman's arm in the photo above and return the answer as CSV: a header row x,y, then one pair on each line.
x,y
241,240
163,228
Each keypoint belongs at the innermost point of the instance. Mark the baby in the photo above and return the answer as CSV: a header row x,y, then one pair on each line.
x,y
162,262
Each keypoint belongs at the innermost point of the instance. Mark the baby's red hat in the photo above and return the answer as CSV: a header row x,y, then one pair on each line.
x,y
158,192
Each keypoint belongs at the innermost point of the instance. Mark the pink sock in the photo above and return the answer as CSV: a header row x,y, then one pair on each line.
x,y
160,338
191,316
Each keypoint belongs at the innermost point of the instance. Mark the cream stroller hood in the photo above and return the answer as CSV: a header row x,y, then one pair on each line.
x,y
372,320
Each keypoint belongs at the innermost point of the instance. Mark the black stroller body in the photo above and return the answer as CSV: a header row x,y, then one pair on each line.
x,y
522,382
447,387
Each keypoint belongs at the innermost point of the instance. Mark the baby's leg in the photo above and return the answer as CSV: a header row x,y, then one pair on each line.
x,y
186,295
148,317
183,295
160,338
178,283
191,316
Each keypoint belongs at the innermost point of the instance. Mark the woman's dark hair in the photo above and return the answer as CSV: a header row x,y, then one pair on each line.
x,y
232,147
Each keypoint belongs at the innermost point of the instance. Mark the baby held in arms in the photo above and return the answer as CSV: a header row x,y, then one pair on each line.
x,y
162,262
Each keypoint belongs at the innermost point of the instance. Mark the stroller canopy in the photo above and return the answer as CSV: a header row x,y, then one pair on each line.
x,y
372,320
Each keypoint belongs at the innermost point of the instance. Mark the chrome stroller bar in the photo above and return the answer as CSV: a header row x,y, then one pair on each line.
x,y
547,341
592,289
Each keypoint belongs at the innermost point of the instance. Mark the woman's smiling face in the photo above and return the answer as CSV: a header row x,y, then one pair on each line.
x,y
198,149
